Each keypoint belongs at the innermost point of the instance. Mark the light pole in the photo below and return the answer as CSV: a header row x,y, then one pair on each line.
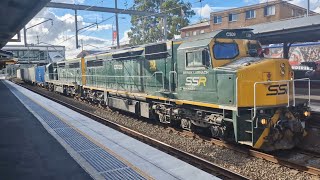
x,y
117,24
308,8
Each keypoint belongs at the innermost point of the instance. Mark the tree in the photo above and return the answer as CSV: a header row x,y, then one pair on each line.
x,y
150,29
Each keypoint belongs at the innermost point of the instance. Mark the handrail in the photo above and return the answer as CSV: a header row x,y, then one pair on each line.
x,y
237,97
288,85
175,75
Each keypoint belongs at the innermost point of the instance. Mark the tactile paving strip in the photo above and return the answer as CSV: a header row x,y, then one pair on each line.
x,y
80,143
102,160
105,163
67,132
123,174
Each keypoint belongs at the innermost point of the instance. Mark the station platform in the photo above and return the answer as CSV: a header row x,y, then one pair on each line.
x,y
84,148
27,150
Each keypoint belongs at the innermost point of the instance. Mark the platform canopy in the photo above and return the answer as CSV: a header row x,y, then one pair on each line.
x,y
303,29
15,14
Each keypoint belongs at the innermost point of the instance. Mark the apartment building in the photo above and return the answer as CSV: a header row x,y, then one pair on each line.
x,y
196,29
246,16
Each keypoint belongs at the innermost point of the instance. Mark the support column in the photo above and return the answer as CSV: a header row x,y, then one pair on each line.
x,y
285,51
165,28
76,23
308,8
25,36
117,23
286,48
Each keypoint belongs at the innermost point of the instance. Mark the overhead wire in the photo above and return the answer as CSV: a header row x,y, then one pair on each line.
x,y
120,13
137,18
102,21
145,16
162,12
63,20
274,3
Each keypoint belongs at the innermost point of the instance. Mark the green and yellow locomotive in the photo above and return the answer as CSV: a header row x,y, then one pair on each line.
x,y
218,82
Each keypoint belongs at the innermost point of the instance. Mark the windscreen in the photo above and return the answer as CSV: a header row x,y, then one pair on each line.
x,y
225,50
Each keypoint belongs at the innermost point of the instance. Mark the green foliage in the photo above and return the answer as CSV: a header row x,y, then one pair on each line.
x,y
150,29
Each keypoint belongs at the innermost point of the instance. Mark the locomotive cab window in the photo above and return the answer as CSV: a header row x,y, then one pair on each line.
x,y
199,58
253,49
225,50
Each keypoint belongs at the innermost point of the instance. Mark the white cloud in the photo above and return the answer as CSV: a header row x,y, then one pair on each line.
x,y
125,39
207,9
204,11
62,33
314,4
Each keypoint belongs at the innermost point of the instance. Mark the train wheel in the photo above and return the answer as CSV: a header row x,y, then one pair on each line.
x,y
187,124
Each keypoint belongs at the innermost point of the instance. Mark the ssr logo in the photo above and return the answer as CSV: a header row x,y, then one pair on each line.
x,y
196,81
153,65
278,89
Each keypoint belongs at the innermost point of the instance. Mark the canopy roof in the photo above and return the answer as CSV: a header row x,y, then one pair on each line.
x,y
15,14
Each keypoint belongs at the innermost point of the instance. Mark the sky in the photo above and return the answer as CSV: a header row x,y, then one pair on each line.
x,y
61,30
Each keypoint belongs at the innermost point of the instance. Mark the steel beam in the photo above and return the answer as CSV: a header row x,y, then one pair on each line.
x,y
102,9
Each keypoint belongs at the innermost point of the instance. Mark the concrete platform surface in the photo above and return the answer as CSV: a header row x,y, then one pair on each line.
x,y
27,150
103,152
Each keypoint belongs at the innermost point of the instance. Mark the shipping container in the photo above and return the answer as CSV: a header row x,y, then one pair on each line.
x,y
40,75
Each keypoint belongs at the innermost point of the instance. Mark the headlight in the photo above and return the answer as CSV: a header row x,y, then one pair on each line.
x,y
264,121
282,69
306,113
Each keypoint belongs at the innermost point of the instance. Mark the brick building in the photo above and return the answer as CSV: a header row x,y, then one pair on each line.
x,y
246,16
196,29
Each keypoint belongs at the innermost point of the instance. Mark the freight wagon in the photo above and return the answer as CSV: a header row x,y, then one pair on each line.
x,y
34,75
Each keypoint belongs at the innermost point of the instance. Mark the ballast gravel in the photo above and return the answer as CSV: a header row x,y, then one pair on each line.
x,y
253,168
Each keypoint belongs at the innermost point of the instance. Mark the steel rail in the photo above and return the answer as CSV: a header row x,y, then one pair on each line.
x,y
198,162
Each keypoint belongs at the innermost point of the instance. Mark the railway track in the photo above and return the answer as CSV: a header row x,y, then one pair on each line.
x,y
185,156
283,158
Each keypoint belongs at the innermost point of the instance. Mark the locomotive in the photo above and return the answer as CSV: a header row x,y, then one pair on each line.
x,y
219,82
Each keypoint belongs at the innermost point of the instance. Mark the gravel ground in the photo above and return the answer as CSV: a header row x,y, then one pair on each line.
x,y
254,168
